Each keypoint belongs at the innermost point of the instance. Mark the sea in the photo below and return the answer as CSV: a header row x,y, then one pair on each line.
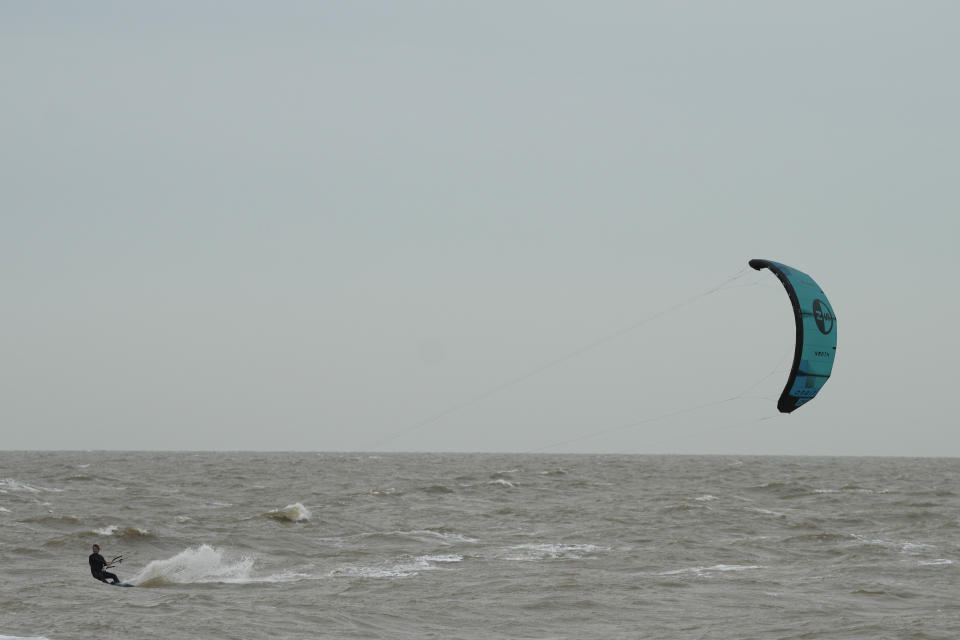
x,y
492,546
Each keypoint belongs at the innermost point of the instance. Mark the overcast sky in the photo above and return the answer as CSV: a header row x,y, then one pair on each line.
x,y
475,226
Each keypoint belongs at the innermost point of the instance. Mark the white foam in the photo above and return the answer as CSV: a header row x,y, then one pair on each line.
x,y
5,510
107,531
375,572
939,562
445,537
906,546
553,551
10,484
453,557
716,567
197,564
502,482
400,570
22,638
426,535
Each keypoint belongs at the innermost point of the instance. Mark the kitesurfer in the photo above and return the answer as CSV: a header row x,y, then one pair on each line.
x,y
98,564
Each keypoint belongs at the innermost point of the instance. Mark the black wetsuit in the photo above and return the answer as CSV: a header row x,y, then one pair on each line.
x,y
97,563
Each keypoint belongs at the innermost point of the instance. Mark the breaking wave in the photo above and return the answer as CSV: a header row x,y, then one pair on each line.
x,y
123,532
295,512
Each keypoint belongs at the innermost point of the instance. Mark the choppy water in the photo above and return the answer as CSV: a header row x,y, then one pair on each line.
x,y
479,546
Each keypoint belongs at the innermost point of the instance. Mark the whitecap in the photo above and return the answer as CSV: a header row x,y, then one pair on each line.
x,y
528,552
115,530
373,572
400,570
447,537
502,482
714,568
939,562
295,512
10,484
427,535
404,570
904,546
453,557
286,576
707,498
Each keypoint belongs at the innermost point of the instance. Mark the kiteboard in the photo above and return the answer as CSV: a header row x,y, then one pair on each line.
x,y
120,584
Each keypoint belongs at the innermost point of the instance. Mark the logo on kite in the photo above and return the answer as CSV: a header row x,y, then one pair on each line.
x,y
823,316
813,354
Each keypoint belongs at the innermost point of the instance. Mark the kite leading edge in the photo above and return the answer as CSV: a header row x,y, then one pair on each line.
x,y
816,345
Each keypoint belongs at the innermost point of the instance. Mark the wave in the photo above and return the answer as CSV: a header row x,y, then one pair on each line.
x,y
11,484
529,552
822,537
295,512
699,571
83,477
123,532
435,535
391,492
22,638
436,489
399,570
52,520
196,565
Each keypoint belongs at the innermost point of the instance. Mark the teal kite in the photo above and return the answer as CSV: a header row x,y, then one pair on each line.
x,y
816,345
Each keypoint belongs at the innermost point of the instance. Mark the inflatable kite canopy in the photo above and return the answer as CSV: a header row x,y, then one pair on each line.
x,y
816,345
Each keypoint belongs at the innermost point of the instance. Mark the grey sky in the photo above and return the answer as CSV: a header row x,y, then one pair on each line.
x,y
313,225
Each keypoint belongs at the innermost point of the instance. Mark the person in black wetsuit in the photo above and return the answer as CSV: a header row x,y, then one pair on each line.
x,y
97,566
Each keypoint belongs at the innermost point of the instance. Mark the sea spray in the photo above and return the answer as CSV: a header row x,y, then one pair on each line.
x,y
197,564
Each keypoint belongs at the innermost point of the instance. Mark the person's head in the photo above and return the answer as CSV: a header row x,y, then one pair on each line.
x,y
96,548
